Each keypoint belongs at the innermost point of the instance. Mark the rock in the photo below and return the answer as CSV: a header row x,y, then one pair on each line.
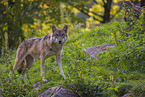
x,y
58,92
127,95
93,51
132,95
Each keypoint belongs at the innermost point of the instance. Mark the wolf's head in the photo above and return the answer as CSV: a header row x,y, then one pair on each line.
x,y
59,35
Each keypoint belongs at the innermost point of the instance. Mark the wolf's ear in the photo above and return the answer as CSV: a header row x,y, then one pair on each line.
x,y
53,28
65,28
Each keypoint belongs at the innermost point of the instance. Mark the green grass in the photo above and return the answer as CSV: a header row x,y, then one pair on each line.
x,y
117,71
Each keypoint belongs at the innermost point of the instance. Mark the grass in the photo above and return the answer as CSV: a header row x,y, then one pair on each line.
x,y
116,72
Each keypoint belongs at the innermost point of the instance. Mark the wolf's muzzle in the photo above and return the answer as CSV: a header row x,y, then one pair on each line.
x,y
60,42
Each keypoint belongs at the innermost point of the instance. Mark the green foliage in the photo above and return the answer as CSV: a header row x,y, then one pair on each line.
x,y
116,72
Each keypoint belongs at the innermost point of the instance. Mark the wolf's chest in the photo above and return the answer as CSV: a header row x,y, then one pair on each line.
x,y
49,53
37,53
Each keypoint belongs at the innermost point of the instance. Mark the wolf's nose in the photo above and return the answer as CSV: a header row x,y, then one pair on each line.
x,y
59,42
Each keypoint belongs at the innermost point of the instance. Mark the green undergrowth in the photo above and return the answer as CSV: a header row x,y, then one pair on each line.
x,y
116,72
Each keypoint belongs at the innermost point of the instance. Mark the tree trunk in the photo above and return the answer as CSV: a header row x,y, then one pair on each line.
x,y
10,23
15,24
107,7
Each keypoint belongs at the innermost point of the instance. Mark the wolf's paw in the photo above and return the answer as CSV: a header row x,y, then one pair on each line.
x,y
43,78
10,74
63,75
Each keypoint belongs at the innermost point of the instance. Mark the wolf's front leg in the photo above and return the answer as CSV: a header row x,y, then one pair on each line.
x,y
42,65
42,58
59,62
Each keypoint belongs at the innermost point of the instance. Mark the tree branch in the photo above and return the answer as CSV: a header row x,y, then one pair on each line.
x,y
104,2
95,1
97,14
86,13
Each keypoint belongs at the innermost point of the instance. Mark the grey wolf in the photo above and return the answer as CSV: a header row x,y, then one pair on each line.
x,y
43,48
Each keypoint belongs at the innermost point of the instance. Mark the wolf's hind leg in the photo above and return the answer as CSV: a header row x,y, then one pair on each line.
x,y
21,66
21,53
29,63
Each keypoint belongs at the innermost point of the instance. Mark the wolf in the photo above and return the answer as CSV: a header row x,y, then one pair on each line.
x,y
43,48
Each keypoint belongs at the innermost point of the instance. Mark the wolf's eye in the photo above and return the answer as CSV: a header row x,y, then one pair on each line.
x,y
63,35
56,35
